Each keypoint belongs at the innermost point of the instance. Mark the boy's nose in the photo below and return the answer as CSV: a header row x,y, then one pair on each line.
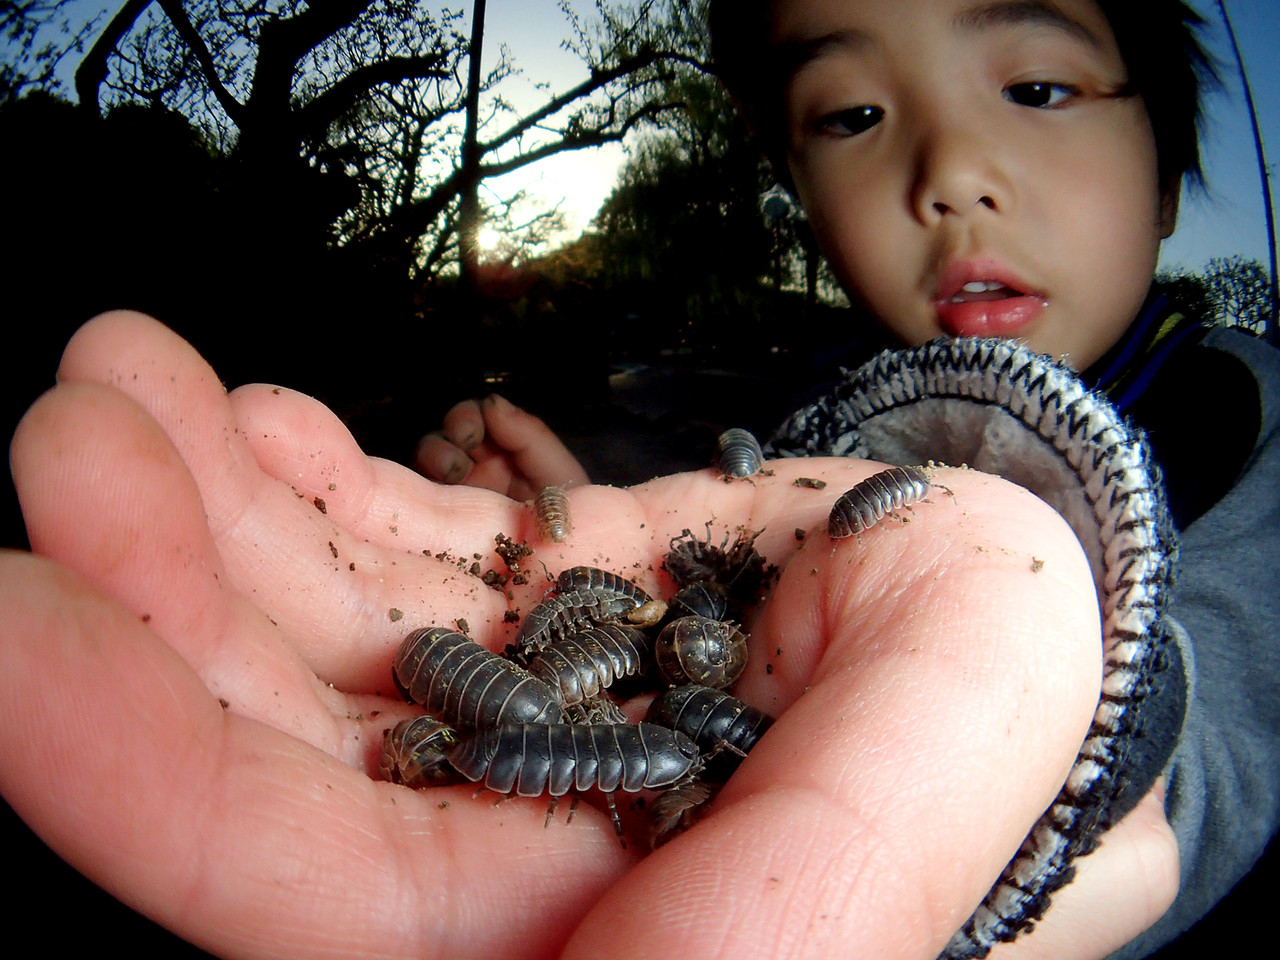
x,y
957,176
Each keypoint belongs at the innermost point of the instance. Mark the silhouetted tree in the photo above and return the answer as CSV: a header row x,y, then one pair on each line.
x,y
1232,291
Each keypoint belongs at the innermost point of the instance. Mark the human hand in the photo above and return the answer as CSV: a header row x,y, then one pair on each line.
x,y
494,444
196,676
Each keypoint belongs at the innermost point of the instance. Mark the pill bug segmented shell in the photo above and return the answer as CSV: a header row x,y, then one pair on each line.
x,y
602,582
468,686
700,650
724,727
551,511
699,599
738,454
415,753
561,615
865,504
537,758
587,662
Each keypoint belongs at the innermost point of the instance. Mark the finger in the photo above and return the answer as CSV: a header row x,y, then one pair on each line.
x,y
463,425
338,587
240,838
437,458
539,456
104,492
934,684
1119,891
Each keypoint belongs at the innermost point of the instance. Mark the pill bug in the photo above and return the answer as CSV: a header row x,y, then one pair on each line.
x,y
724,727
584,664
602,582
739,570
415,753
699,599
866,503
561,615
551,511
468,686
738,454
536,758
700,650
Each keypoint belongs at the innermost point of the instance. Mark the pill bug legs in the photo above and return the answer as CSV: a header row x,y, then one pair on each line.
x,y
866,503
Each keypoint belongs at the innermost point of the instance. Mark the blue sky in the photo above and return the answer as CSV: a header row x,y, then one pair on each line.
x,y
1227,220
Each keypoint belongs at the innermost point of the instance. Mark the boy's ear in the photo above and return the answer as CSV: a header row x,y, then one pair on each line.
x,y
1169,198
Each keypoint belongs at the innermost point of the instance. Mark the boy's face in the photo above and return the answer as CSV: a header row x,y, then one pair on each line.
x,y
968,170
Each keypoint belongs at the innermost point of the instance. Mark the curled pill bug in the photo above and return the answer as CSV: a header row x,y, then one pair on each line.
x,y
533,759
551,511
723,727
700,650
866,503
738,454
415,753
468,686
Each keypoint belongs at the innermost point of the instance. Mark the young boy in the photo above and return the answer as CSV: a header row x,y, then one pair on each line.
x,y
1009,169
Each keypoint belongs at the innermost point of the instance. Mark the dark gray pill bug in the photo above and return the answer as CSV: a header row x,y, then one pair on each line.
x,y
466,685
533,759
551,510
602,582
561,615
738,454
866,504
414,753
724,727
700,650
700,599
583,665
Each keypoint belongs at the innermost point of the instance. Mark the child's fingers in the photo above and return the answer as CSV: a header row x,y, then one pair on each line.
x,y
436,458
539,458
463,425
240,838
1119,891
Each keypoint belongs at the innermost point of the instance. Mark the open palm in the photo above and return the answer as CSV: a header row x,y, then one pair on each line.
x,y
195,678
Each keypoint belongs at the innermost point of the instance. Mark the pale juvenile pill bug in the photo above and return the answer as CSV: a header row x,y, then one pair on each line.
x,y
866,503
738,454
551,511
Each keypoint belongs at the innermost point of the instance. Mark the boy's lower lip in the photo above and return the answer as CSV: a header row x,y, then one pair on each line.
x,y
989,318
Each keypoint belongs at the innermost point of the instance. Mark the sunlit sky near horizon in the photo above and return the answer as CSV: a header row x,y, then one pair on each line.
x,y
1228,220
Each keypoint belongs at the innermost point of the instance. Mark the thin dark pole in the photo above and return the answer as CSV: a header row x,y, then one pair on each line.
x,y
1271,334
469,201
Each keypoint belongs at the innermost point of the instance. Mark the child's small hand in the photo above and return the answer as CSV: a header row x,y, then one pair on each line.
x,y
494,444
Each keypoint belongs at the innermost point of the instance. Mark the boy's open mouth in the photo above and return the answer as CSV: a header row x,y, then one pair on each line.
x,y
986,308
982,290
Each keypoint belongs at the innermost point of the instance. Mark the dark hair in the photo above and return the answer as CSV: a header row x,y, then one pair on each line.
x,y
1168,67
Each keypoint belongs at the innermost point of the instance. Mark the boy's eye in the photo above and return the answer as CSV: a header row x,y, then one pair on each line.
x,y
850,122
1038,94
